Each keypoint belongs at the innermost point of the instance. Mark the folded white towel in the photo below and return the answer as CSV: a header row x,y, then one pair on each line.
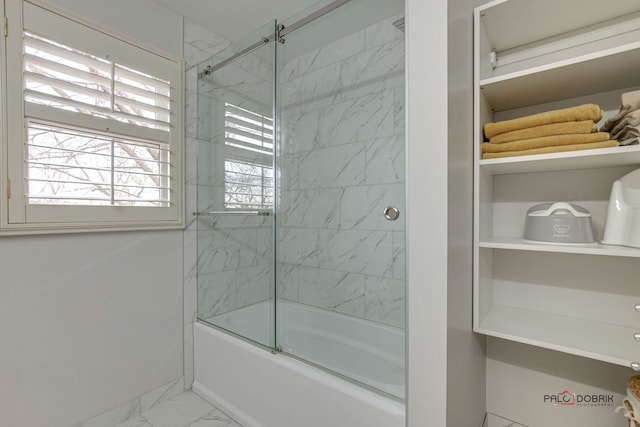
x,y
630,105
632,118
629,135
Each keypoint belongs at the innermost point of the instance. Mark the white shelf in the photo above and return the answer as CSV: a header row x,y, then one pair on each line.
x,y
595,340
577,299
515,243
570,160
544,19
570,78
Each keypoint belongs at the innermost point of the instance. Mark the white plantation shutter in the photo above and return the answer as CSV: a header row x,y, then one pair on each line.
x,y
102,128
248,168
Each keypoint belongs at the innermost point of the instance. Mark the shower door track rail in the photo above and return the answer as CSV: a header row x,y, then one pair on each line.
x,y
282,31
311,17
233,212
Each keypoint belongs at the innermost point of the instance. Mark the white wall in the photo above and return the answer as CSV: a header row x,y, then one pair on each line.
x,y
519,376
89,321
427,141
465,350
141,20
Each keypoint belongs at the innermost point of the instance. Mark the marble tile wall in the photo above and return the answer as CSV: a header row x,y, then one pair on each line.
x,y
342,121
199,45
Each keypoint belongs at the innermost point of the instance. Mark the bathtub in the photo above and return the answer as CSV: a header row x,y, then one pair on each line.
x,y
260,389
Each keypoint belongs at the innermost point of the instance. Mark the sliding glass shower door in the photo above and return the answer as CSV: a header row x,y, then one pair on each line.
x,y
236,188
301,229
340,225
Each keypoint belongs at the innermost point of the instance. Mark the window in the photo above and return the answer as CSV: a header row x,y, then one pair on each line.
x,y
248,168
96,127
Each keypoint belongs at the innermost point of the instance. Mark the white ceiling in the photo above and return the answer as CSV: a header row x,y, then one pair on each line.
x,y
234,19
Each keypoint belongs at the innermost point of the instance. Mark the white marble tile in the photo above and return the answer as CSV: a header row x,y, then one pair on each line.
x,y
331,53
385,300
138,421
203,38
382,32
398,110
194,56
210,163
215,418
311,91
190,294
191,81
332,290
288,281
290,171
364,118
115,416
374,70
253,285
228,223
362,207
191,161
191,114
497,421
300,132
161,395
178,411
319,208
288,71
210,198
356,251
333,167
298,246
399,257
385,160
223,250
216,293
264,247
240,76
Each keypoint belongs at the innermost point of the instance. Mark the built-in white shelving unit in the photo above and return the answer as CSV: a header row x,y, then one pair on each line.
x,y
578,299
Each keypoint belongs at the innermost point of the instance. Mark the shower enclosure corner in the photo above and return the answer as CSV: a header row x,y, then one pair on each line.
x,y
300,221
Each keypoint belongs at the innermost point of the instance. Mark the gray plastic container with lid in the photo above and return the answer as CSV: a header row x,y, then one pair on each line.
x,y
558,223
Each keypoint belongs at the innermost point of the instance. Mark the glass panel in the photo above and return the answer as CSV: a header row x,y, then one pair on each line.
x,y
340,263
235,175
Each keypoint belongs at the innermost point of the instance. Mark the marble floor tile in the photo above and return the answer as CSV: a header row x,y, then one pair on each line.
x,y
215,418
179,411
138,421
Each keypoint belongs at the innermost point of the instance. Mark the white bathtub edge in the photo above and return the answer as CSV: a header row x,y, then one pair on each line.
x,y
216,366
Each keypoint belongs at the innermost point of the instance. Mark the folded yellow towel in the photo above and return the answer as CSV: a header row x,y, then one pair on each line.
x,y
554,149
564,128
544,141
579,113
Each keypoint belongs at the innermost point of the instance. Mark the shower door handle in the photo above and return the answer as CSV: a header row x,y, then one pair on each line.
x,y
391,213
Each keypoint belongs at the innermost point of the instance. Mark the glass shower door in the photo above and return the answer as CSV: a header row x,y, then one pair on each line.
x,y
340,225
235,188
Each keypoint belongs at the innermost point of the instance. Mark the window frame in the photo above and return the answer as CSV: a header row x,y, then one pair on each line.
x,y
17,216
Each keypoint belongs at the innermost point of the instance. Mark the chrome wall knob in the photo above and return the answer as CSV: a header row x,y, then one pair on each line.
x,y
635,366
391,213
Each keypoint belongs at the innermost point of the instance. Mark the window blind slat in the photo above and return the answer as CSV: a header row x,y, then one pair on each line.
x,y
100,66
94,110
249,115
48,65
57,84
260,140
